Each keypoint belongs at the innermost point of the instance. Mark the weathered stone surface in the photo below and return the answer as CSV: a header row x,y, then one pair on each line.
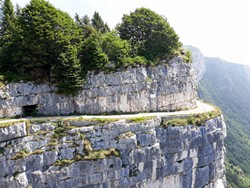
x,y
41,127
150,155
165,87
11,132
198,61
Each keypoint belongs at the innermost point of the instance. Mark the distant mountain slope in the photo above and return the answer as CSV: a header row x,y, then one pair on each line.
x,y
228,86
197,61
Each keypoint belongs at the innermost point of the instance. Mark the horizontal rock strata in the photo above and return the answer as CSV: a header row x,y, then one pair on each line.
x,y
123,153
167,87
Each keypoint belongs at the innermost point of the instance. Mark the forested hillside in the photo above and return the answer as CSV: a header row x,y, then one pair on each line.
x,y
42,43
228,86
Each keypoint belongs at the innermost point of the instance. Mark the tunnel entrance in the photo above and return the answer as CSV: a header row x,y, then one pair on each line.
x,y
30,110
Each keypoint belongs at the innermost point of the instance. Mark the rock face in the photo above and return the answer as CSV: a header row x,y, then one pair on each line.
x,y
198,61
161,88
123,153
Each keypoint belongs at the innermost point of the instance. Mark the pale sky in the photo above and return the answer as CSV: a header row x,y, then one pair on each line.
x,y
219,28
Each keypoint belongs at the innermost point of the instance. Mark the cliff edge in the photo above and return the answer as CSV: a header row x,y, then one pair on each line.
x,y
178,149
166,87
97,152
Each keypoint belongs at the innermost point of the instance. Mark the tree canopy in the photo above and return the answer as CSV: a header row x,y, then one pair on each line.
x,y
44,33
149,33
99,24
7,16
42,43
7,32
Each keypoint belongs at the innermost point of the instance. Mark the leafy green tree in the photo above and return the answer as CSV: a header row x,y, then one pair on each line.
x,y
8,19
45,31
85,20
7,34
149,33
66,73
115,48
85,26
92,55
99,24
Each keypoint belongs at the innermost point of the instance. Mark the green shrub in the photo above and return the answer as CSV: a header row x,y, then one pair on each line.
x,y
139,119
150,34
196,119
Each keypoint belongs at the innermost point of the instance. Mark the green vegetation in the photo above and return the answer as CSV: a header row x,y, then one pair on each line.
x,y
7,30
139,119
228,86
44,44
101,121
63,162
26,153
68,71
101,154
98,121
154,40
187,56
198,119
1,150
6,124
96,154
87,146
90,155
99,24
93,155
61,129
235,177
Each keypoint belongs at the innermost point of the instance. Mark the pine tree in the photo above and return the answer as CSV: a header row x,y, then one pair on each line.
x,y
7,35
99,24
67,72
8,18
92,55
85,26
45,31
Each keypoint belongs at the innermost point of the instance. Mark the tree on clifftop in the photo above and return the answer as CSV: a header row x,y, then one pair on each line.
x,y
149,33
67,72
99,24
8,18
7,32
45,31
92,55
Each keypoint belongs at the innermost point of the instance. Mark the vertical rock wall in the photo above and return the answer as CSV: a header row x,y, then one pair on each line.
x,y
120,154
165,87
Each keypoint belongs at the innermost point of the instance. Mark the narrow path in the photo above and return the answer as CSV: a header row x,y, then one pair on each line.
x,y
201,108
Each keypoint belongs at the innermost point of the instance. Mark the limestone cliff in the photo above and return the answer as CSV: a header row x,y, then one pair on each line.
x,y
198,61
167,87
112,153
166,152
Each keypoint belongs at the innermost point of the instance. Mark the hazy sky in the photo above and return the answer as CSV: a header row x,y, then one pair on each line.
x,y
219,28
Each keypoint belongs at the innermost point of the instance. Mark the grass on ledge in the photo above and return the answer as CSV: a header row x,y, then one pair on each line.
x,y
197,119
92,155
139,119
25,153
101,154
7,124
